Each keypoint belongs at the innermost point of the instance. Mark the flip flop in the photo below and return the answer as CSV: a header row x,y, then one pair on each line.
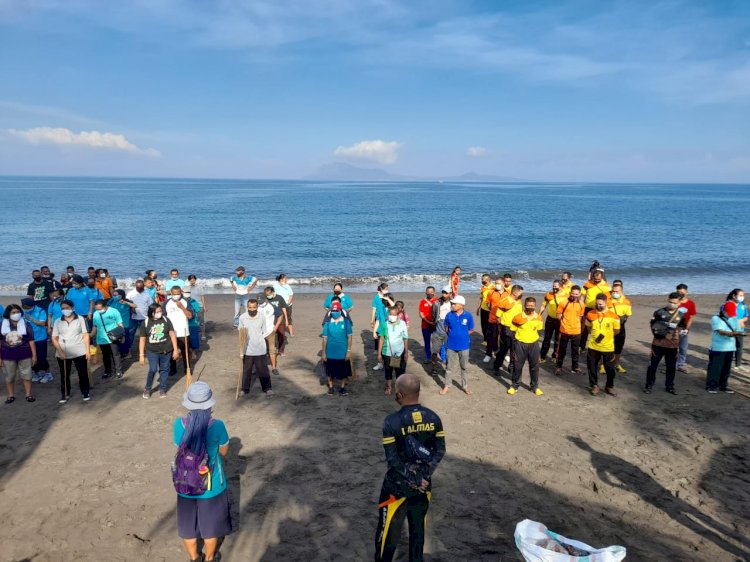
x,y
388,391
30,398
10,400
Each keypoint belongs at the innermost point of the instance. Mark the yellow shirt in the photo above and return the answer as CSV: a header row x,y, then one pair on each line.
x,y
527,327
511,313
565,289
591,290
621,307
485,292
602,324
551,301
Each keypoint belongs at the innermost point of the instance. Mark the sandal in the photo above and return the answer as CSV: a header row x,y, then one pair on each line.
x,y
388,390
30,398
10,400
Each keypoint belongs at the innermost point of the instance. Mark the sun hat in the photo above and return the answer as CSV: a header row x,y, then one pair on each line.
x,y
198,397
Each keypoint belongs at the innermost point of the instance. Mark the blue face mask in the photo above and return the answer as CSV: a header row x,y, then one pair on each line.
x,y
335,314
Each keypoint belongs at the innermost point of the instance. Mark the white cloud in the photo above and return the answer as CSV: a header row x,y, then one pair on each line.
x,y
379,151
477,151
94,139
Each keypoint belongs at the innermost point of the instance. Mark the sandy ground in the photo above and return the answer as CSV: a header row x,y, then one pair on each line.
x,y
666,476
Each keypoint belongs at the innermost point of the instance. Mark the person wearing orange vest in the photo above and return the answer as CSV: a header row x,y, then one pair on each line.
x,y
493,322
510,306
552,300
604,325
622,307
570,314
595,286
527,325
483,309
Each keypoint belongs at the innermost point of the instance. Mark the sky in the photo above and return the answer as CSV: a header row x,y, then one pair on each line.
x,y
652,91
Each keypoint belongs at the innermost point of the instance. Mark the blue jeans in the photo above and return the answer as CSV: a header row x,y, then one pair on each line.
x,y
682,351
158,362
240,306
134,325
426,335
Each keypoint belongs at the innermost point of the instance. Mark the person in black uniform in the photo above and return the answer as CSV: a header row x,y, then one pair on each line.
x,y
414,443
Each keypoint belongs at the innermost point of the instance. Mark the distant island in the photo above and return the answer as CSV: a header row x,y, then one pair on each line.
x,y
340,171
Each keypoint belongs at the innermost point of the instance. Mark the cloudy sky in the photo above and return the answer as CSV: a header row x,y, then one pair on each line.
x,y
569,91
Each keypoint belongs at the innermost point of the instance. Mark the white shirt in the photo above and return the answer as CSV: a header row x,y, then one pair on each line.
x,y
142,301
268,311
257,329
70,336
178,318
284,290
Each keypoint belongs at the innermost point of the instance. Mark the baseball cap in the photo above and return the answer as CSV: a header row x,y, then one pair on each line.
x,y
446,289
458,299
335,306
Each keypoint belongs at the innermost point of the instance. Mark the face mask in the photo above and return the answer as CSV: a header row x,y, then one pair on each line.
x,y
485,282
555,290
238,273
430,297
27,310
37,279
571,298
683,295
16,316
176,297
252,312
139,289
741,299
91,286
102,275
158,315
529,311
671,306
337,293
392,318
335,315
601,307
67,312
616,295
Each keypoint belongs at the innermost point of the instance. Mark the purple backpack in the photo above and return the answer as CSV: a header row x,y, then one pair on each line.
x,y
191,474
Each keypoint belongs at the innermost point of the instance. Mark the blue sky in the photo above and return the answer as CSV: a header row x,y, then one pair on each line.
x,y
573,91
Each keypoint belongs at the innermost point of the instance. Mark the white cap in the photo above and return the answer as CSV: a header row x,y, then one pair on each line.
x,y
458,299
447,289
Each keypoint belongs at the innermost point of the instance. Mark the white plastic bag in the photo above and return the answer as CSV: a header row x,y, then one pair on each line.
x,y
539,544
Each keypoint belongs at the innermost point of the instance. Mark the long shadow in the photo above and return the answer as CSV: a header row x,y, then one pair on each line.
x,y
618,473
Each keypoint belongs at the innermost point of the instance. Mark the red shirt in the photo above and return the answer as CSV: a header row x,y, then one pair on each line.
x,y
691,310
425,307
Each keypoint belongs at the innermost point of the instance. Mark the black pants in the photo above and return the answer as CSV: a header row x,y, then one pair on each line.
x,y
484,319
620,340
584,329
390,371
66,366
491,338
41,365
391,514
506,347
185,357
593,359
526,352
670,358
562,349
719,367
110,355
551,335
260,363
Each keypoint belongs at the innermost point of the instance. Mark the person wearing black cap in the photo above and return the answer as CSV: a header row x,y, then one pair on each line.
x,y
414,442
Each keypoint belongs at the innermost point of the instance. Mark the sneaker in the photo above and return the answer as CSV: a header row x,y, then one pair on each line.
x,y
343,391
105,376
727,390
146,394
609,390
275,372
86,397
244,392
511,391
486,359
554,356
682,369
712,391
162,394
268,392
542,360
49,377
594,390
647,389
484,344
577,371
119,375
538,392
378,367
620,369
36,377
671,390
63,399
331,391
602,370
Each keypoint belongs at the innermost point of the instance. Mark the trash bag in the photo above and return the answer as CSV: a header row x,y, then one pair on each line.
x,y
539,544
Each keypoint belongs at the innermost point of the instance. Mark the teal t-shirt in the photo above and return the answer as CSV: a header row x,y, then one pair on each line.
x,y
719,342
216,436
337,334
123,309
346,301
106,322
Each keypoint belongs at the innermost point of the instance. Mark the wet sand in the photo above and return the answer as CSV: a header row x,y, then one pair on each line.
x,y
666,476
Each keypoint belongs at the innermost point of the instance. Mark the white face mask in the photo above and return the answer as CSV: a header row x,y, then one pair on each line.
x,y
157,315
392,318
176,297
741,299
67,312
616,295
16,316
102,275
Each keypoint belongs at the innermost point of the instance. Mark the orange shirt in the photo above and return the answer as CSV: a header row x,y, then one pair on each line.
x,y
494,300
105,286
570,314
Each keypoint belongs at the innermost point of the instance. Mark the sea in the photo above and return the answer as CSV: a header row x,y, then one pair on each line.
x,y
411,234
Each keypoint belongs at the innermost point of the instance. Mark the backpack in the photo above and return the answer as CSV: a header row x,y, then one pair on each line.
x,y
191,474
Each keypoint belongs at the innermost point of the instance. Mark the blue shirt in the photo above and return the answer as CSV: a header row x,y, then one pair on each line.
x,y
741,313
243,285
195,307
54,311
173,283
719,342
458,327
337,334
94,294
81,299
152,293
106,322
346,301
216,436
36,313
123,309
381,311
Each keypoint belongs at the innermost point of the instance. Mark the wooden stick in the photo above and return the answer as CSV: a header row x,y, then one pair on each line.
x,y
243,342
188,373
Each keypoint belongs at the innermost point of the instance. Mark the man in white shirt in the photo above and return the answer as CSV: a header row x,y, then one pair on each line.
x,y
255,327
142,300
178,311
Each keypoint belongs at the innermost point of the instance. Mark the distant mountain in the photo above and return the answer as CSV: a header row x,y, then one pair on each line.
x,y
341,171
